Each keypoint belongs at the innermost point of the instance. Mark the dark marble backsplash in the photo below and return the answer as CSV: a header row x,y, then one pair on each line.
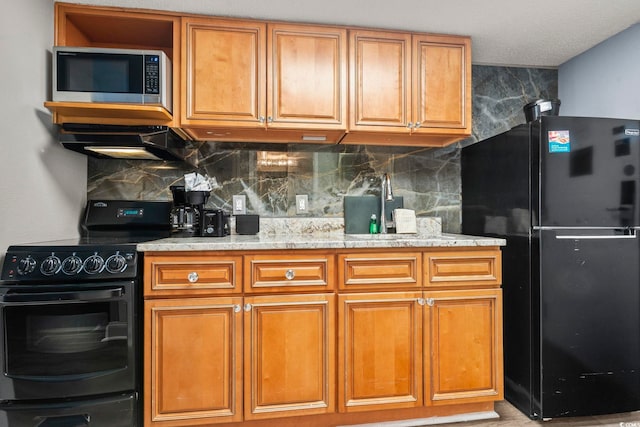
x,y
270,175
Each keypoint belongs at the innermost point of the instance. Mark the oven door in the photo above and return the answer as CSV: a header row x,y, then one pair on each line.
x,y
67,340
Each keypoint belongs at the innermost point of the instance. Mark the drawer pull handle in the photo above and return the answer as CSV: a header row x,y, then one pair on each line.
x,y
193,277
290,274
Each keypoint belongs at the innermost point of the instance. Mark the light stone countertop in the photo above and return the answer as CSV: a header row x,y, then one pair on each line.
x,y
319,233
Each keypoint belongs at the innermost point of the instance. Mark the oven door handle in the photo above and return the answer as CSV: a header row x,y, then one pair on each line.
x,y
55,297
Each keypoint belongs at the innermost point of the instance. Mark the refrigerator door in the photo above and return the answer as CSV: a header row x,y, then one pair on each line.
x,y
589,322
589,170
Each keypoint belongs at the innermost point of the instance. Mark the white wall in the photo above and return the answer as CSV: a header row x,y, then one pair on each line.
x,y
42,185
605,80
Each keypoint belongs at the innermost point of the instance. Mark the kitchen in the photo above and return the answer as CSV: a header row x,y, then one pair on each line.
x,y
55,179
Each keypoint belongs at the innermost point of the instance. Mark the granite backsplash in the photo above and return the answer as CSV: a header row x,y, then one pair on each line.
x,y
270,175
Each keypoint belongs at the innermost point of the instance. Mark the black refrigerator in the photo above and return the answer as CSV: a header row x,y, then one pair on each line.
x,y
564,193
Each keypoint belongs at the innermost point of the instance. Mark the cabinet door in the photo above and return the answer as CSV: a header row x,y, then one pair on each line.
x,y
380,84
441,83
193,361
379,351
306,76
289,355
464,332
224,73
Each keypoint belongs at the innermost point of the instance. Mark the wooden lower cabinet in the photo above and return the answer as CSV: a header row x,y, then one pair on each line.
x,y
381,337
193,361
289,358
379,351
464,338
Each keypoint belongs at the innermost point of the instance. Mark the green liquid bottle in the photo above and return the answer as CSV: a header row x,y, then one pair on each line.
x,y
373,224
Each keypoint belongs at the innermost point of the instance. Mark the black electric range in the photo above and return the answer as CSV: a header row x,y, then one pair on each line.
x,y
71,318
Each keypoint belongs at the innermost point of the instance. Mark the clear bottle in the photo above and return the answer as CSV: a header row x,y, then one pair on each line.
x,y
373,224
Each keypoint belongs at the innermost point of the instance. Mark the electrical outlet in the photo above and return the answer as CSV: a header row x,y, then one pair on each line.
x,y
302,204
239,204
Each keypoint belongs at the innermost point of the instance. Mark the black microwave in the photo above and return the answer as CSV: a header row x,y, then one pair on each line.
x,y
130,76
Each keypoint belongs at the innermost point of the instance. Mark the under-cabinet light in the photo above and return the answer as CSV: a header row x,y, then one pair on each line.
x,y
124,153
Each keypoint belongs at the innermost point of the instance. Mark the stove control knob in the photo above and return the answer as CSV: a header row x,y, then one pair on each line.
x,y
116,264
50,265
26,265
72,265
93,264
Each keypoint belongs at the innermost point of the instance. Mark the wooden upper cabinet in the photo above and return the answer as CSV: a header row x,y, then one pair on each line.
x,y
260,81
442,83
380,85
223,65
306,76
242,78
408,89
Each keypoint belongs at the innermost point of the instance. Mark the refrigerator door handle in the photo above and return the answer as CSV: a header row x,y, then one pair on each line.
x,y
630,235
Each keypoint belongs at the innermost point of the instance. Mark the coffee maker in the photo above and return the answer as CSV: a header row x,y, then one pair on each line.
x,y
187,210
189,218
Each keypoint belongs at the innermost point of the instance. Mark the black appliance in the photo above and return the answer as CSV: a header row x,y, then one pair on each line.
x,y
129,142
71,319
563,192
189,218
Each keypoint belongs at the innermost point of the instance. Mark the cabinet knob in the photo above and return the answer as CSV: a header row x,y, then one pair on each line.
x,y
430,302
193,277
237,308
247,307
261,119
417,125
290,274
269,119
421,301
409,125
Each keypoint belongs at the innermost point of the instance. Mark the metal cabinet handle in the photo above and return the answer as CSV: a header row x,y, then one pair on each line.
x,y
417,125
409,125
430,302
193,277
421,301
269,119
247,307
261,119
290,274
237,308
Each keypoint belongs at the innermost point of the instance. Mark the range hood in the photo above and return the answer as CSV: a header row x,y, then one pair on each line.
x,y
128,142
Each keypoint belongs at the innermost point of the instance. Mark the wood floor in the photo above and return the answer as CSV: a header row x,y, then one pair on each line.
x,y
510,416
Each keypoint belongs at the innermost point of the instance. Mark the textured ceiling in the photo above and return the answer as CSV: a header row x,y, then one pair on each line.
x,y
542,33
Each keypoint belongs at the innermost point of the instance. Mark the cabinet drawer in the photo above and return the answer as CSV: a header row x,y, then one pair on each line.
x,y
192,275
307,272
389,270
463,268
